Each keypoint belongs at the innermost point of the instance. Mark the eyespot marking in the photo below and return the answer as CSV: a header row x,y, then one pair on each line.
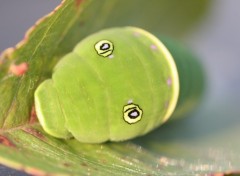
x,y
104,48
132,113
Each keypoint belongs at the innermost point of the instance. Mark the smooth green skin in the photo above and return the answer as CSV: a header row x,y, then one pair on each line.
x,y
191,77
88,92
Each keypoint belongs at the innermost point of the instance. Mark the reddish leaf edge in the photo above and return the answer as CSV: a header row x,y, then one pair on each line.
x,y
230,173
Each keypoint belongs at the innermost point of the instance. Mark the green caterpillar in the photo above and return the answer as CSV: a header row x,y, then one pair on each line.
x,y
117,84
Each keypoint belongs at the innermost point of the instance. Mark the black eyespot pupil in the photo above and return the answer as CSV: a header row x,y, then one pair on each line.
x,y
104,46
133,114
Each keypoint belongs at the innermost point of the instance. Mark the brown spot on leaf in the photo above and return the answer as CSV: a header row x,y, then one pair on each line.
x,y
5,141
19,69
34,132
67,164
81,23
84,164
104,161
78,2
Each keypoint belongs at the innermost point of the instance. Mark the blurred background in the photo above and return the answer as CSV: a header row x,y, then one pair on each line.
x,y
215,39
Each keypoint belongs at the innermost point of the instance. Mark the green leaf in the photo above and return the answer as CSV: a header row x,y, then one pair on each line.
x,y
203,144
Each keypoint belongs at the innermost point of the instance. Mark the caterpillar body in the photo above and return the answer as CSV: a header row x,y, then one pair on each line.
x,y
118,84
